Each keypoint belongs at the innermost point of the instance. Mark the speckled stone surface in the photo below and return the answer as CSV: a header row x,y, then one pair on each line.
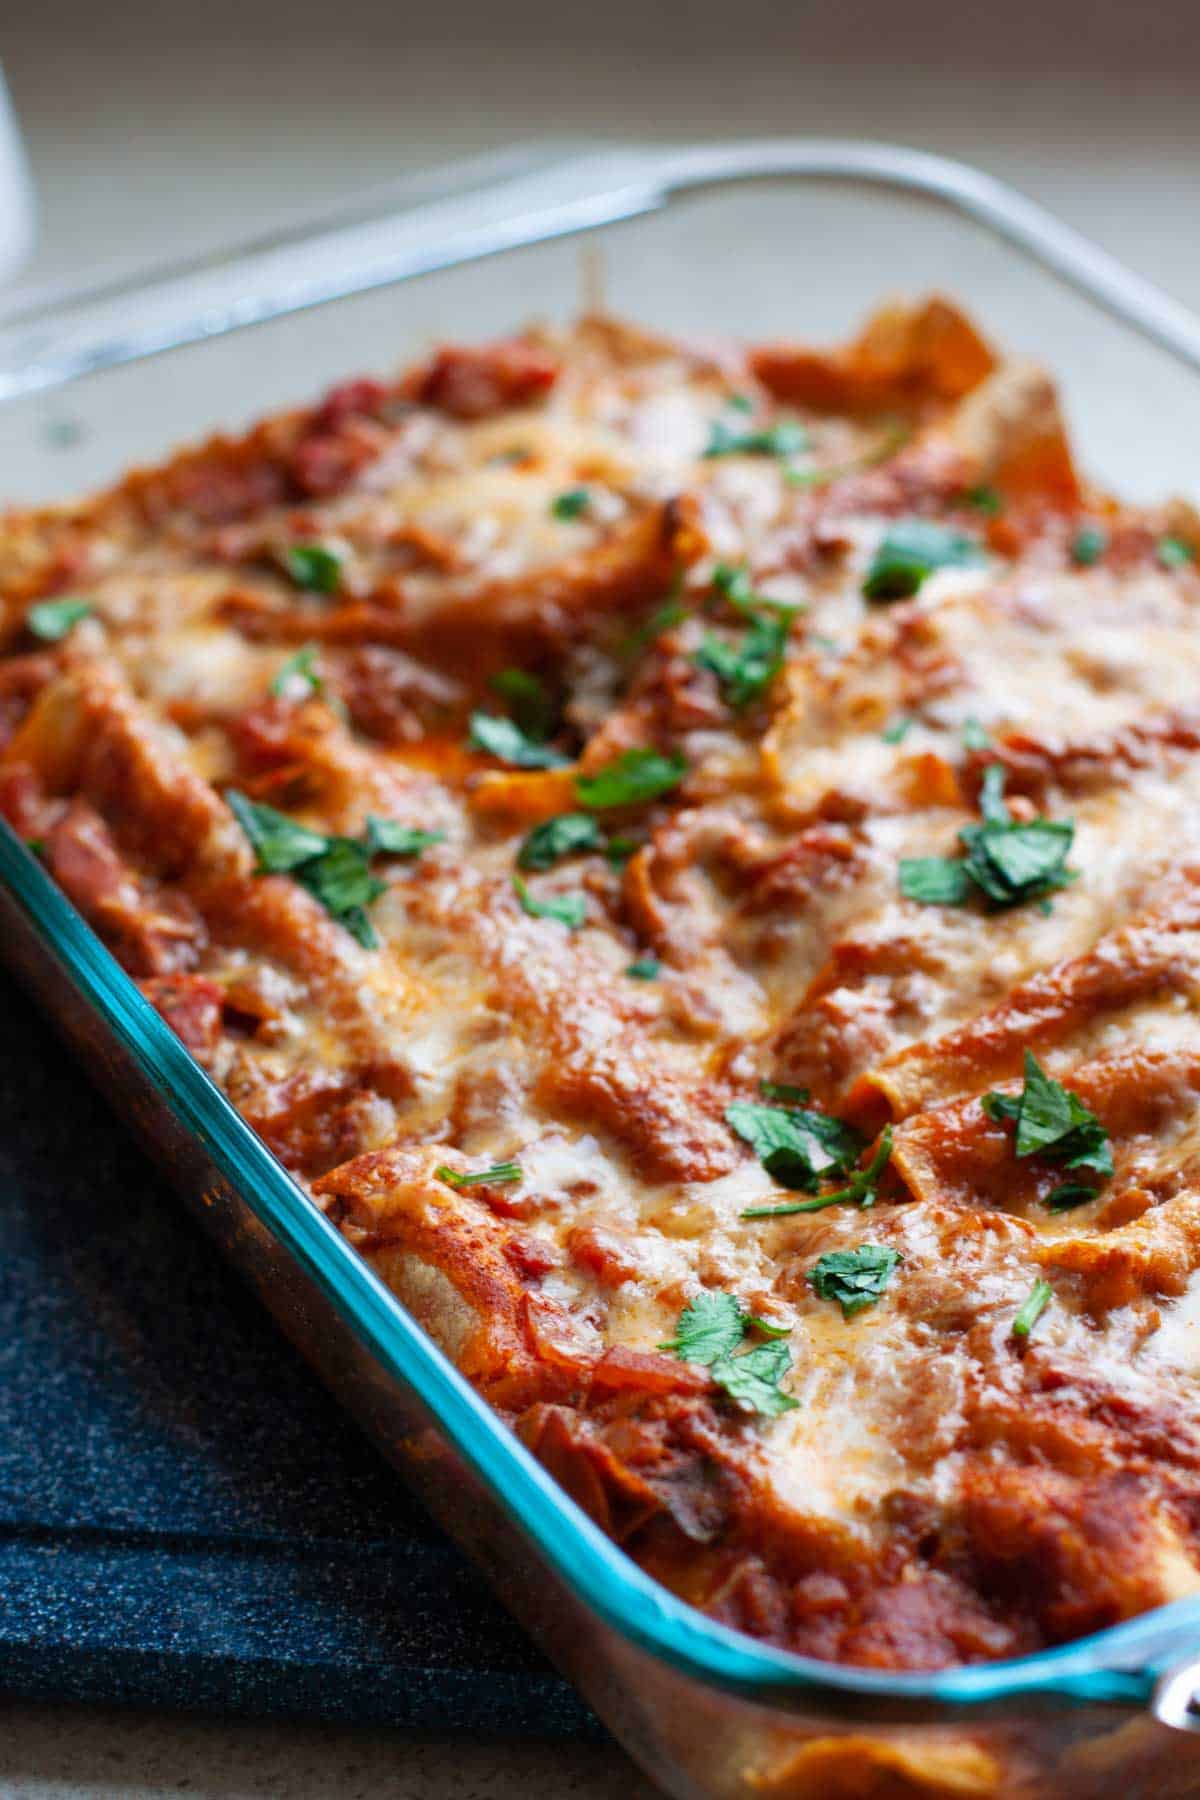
x,y
186,1518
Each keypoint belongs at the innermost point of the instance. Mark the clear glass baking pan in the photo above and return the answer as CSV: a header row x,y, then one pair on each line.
x,y
796,237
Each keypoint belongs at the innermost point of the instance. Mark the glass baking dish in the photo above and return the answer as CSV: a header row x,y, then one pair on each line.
x,y
92,382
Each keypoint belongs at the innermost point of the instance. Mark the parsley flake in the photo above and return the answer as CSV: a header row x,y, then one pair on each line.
x,y
565,835
1174,553
646,968
569,909
911,550
1088,546
1052,1122
51,620
498,1172
316,567
572,504
631,779
505,740
1040,1296
854,1278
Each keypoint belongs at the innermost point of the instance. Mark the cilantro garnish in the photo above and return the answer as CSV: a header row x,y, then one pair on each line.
x,y
986,499
1068,1195
334,870
709,1331
569,909
1052,1122
783,1090
911,550
1173,552
974,736
854,1278
51,620
858,1191
316,567
646,968
572,504
499,1172
1040,1296
795,1146
631,779
531,705
734,585
1088,545
554,838
1006,861
898,730
505,740
747,668
387,837
730,437
299,674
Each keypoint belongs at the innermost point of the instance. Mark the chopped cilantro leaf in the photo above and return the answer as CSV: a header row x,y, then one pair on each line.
x,y
859,1190
1040,1296
710,1326
618,850
1052,1122
854,1278
934,880
1088,545
528,700
631,779
795,1147
731,438
572,504
554,838
746,669
1174,553
298,676
316,567
986,499
974,736
646,968
498,1172
911,550
752,1379
341,880
280,843
783,1090
51,620
898,730
1068,1195
734,586
504,739
387,837
569,909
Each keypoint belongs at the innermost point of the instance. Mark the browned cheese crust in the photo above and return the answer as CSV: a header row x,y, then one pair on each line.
x,y
944,1491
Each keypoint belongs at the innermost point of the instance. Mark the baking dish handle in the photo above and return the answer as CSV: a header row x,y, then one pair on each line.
x,y
49,343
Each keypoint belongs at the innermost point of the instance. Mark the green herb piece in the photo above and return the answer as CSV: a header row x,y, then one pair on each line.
x,y
710,1326
730,438
986,499
752,1379
898,730
646,968
1173,552
618,850
572,504
565,835
504,739
854,1278
859,1191
767,1329
341,880
387,837
298,675
51,620
1068,1195
631,779
1006,861
569,909
734,585
528,700
783,1090
974,736
910,551
316,567
1088,545
1052,1122
499,1172
671,612
746,669
279,843
1040,1296
36,846
796,1147
934,880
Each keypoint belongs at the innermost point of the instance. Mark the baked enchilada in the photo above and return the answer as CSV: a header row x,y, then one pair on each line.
x,y
688,852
